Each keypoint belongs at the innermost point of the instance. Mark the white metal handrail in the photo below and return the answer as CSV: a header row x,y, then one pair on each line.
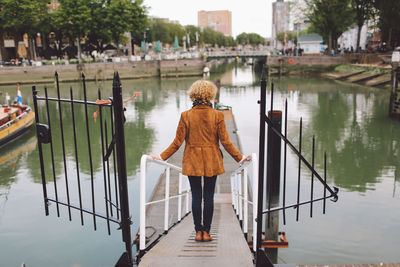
x,y
240,196
182,190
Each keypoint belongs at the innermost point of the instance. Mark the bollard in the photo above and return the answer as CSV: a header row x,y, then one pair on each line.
x,y
273,182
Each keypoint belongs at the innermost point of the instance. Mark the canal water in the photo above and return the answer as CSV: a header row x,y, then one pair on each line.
x,y
349,122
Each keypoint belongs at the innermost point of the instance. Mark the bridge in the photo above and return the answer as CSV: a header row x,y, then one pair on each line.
x,y
237,54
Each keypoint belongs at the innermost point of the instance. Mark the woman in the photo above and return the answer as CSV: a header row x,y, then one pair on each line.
x,y
202,128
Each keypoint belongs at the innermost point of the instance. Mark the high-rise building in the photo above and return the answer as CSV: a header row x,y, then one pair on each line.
x,y
219,20
280,17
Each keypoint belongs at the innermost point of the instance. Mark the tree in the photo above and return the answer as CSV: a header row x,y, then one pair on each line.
x,y
22,16
124,16
363,10
330,18
98,33
250,38
74,17
388,12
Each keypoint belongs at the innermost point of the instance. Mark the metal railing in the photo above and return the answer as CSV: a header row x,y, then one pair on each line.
x,y
115,203
183,190
240,180
271,159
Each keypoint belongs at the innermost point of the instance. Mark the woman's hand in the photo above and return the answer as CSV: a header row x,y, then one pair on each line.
x,y
154,156
247,158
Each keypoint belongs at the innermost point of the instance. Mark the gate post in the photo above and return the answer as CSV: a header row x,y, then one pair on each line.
x,y
273,181
261,258
126,258
39,135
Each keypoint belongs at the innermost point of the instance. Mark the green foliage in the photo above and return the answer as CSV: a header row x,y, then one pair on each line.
x,y
22,16
290,36
388,12
165,32
330,18
363,10
250,38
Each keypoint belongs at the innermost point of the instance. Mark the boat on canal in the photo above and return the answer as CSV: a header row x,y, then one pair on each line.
x,y
15,119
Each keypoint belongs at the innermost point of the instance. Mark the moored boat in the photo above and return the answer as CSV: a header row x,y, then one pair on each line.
x,y
14,121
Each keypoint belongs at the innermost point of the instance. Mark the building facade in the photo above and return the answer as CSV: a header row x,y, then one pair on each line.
x,y
280,20
219,20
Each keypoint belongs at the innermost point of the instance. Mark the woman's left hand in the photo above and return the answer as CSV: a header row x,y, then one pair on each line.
x,y
154,156
247,157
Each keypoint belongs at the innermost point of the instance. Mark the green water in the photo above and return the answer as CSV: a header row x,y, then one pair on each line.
x,y
350,123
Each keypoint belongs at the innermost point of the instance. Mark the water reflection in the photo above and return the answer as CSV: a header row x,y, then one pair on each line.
x,y
350,122
12,157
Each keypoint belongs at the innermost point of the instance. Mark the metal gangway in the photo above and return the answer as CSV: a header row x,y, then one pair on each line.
x,y
178,247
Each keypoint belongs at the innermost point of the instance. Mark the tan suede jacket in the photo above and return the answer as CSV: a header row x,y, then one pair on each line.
x,y
202,128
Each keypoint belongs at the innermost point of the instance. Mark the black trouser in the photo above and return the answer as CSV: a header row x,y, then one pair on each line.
x,y
197,196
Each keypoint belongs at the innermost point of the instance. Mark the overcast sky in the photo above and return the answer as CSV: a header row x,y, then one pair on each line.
x,y
247,16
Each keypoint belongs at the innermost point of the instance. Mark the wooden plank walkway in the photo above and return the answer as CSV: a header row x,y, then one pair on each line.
x,y
178,247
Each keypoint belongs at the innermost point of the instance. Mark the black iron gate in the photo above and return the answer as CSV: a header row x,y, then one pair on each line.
x,y
273,162
111,142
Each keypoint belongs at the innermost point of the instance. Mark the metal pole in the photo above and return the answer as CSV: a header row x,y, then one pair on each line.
x,y
142,244
273,181
46,204
180,197
261,258
166,203
255,198
246,203
121,157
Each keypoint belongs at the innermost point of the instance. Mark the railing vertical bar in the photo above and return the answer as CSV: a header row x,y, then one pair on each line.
x,y
104,166
239,179
63,146
246,204
89,150
52,152
166,204
76,154
324,205
237,195
269,191
42,171
180,197
312,175
116,181
187,194
255,199
284,167
142,201
299,170
233,192
108,170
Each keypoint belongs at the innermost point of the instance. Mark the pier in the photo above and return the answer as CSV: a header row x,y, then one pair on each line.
x,y
178,247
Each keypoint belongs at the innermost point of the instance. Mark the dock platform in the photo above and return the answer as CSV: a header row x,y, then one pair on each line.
x,y
178,247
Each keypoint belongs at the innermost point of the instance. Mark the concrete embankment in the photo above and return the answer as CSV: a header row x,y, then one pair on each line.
x,y
366,75
102,71
364,69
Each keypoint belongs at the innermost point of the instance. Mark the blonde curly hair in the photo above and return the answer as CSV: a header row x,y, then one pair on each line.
x,y
202,90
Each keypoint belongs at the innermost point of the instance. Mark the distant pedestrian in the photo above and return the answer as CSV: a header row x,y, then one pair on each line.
x,y
202,128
